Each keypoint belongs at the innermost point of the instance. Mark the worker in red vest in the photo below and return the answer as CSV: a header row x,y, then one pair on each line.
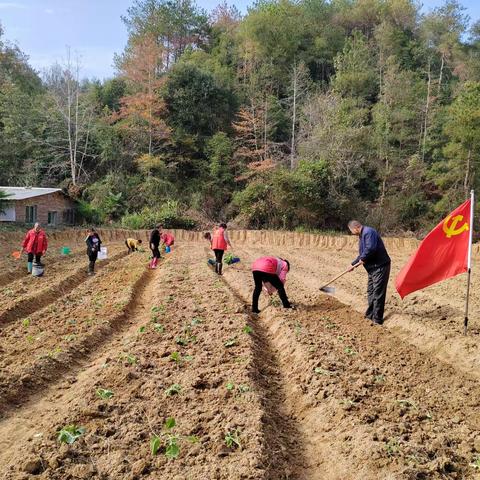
x,y
220,243
35,245
270,272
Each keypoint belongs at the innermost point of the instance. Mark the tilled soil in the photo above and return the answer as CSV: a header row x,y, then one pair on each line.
x,y
313,393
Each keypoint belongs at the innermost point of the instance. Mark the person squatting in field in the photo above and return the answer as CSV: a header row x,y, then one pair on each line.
x,y
93,247
155,237
220,243
168,240
35,245
271,273
373,255
132,244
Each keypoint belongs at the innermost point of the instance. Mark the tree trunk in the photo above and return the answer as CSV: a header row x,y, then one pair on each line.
x,y
466,185
440,77
427,108
294,118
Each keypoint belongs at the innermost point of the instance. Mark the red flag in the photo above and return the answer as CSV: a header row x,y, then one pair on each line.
x,y
442,254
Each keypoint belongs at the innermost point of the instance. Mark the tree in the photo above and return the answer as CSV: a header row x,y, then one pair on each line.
x,y
300,79
196,104
355,71
175,25
68,119
143,109
458,173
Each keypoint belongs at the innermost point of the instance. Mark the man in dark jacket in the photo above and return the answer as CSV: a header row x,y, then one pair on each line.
x,y
373,255
93,247
154,245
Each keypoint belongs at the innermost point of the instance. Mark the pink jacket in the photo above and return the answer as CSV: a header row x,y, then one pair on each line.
x,y
168,239
272,265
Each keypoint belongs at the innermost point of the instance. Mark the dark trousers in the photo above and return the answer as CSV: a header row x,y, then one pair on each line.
x,y
219,260
377,292
92,257
130,249
259,278
155,251
37,256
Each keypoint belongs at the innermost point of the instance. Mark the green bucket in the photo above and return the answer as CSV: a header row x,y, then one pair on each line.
x,y
66,251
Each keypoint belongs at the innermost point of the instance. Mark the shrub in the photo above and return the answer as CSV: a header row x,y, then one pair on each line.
x,y
169,215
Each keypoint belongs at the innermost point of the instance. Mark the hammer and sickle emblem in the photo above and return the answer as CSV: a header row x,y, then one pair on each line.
x,y
450,226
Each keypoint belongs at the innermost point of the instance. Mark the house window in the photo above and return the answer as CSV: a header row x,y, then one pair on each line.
x,y
52,218
31,214
69,216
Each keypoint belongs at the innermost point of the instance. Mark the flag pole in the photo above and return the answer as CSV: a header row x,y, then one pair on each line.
x,y
469,261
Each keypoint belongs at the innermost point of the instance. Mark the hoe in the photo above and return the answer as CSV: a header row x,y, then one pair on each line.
x,y
328,289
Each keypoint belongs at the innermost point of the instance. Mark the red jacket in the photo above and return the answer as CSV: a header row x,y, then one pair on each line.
x,y
272,265
168,239
35,242
219,242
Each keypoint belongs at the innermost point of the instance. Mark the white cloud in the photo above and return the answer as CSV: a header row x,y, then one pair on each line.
x,y
5,5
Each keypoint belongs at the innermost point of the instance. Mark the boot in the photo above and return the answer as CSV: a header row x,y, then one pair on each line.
x,y
220,266
216,267
29,267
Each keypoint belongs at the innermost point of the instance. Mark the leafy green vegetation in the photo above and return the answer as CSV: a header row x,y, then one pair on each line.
x,y
104,394
232,439
70,433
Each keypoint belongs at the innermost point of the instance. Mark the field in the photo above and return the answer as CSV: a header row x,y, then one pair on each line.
x,y
165,375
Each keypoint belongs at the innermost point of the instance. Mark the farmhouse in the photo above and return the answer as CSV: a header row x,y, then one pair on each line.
x,y
49,206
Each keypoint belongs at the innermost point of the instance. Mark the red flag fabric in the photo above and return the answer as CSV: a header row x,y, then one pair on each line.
x,y
442,254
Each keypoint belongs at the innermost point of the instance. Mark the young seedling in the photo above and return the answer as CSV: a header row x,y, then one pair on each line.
x,y
347,403
104,394
173,390
26,322
175,357
350,351
158,327
196,321
392,447
142,329
231,342
247,329
321,371
476,463
407,403
298,329
275,301
70,433
166,439
379,378
232,439
230,386
131,359
243,389
70,338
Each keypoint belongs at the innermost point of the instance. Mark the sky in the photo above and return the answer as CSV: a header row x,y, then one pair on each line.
x,y
93,29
